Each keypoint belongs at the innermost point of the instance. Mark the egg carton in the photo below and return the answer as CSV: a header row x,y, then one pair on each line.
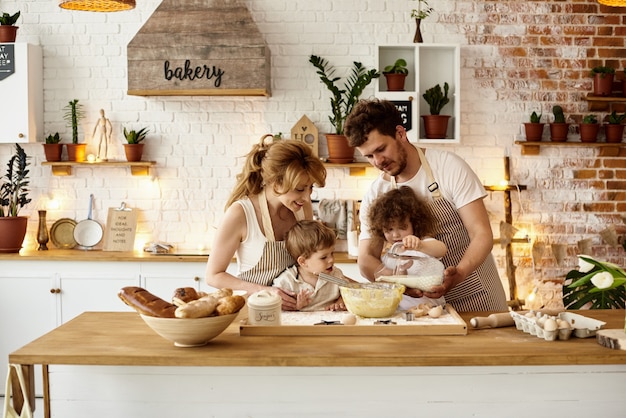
x,y
577,325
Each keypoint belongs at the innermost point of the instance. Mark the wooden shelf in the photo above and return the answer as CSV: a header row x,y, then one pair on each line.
x,y
64,168
602,103
356,169
606,150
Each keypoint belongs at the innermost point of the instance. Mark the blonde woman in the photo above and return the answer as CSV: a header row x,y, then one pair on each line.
x,y
272,193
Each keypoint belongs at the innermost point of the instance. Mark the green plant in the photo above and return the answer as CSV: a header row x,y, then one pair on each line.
x,y
597,284
73,114
436,98
535,118
135,137
399,67
53,139
557,111
421,13
343,100
9,20
14,189
602,70
590,119
615,119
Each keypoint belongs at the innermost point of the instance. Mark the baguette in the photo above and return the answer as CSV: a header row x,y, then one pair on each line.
x,y
146,303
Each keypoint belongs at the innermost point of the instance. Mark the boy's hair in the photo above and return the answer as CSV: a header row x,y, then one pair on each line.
x,y
307,237
397,205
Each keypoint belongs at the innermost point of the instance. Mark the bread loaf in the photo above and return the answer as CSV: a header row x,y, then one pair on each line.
x,y
184,295
146,303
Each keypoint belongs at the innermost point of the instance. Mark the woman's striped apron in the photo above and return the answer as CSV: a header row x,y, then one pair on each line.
x,y
482,289
275,258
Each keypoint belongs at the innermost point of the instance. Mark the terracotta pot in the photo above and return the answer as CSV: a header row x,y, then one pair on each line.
x,y
8,33
133,152
559,131
12,233
76,152
534,131
339,152
589,132
53,152
436,126
614,133
603,86
395,82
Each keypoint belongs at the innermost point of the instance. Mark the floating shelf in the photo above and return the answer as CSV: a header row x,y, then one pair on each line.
x,y
606,150
64,168
602,103
356,169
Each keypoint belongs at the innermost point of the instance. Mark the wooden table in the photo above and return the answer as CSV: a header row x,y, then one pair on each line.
x,y
482,370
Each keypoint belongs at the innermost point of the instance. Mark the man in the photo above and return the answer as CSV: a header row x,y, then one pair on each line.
x,y
455,195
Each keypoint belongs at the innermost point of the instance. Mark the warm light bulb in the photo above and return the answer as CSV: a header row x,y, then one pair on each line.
x,y
91,158
503,184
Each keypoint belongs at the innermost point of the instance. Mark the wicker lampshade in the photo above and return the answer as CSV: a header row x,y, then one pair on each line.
x,y
97,5
614,3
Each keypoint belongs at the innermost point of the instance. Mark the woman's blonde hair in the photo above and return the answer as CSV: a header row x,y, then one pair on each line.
x,y
307,237
282,164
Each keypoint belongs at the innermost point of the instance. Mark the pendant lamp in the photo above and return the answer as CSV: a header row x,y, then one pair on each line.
x,y
614,3
97,5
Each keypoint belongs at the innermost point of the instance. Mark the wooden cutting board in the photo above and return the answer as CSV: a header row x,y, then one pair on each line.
x,y
324,323
612,338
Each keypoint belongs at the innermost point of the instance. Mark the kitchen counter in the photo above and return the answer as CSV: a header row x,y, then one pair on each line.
x,y
122,340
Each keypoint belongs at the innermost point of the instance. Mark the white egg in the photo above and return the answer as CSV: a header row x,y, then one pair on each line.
x,y
348,319
550,325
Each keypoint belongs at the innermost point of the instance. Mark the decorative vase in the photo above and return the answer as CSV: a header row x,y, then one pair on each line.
x,y
12,233
339,152
133,152
8,33
53,152
589,132
417,39
76,152
614,133
395,81
603,84
534,131
559,131
435,126
42,232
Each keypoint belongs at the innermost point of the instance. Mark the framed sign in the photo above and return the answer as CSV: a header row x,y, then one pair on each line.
x,y
7,60
119,234
405,107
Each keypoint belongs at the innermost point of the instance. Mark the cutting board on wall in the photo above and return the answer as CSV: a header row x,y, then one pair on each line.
x,y
121,226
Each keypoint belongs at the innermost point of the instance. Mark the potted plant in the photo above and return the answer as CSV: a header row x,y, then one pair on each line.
x,y
435,124
534,128
53,147
73,114
396,74
589,129
134,146
613,129
341,102
8,30
13,196
558,128
602,80
419,14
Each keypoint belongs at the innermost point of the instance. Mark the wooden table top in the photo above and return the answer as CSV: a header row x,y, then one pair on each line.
x,y
122,338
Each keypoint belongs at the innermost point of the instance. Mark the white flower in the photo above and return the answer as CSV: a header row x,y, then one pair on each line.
x,y
602,280
584,266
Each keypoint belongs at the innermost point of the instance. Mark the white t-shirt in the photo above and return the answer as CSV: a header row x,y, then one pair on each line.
x,y
322,295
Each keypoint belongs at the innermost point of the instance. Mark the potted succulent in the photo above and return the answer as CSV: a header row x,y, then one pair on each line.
x,y
134,146
589,129
534,128
53,147
73,114
613,129
435,124
419,14
8,30
341,102
13,196
602,80
558,128
396,75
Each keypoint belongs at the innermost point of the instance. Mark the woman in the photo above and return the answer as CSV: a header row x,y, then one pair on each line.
x,y
272,193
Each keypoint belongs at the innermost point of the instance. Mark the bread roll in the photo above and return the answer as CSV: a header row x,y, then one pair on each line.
x,y
198,308
146,303
230,304
185,295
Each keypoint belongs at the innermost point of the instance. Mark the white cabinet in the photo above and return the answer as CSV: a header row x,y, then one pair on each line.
x,y
162,279
21,83
428,65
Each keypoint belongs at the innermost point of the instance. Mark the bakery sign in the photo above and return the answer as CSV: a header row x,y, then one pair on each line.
x,y
191,48
7,60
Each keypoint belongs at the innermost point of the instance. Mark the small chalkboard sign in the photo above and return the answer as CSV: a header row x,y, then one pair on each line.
x,y
119,234
7,60
405,107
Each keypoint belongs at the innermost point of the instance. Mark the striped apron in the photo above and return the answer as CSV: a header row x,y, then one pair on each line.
x,y
275,258
482,289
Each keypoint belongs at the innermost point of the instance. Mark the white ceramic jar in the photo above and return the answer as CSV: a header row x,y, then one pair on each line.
x,y
264,308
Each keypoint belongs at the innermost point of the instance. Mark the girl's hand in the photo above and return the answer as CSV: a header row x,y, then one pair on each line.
x,y
411,242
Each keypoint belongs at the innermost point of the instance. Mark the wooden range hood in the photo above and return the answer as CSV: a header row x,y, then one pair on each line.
x,y
199,48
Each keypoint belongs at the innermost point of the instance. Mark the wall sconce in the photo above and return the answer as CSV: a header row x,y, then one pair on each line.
x,y
97,5
614,3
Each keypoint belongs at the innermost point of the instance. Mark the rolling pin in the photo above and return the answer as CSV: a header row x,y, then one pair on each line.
x,y
495,320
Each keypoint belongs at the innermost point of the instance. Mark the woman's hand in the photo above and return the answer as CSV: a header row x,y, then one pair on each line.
x,y
289,299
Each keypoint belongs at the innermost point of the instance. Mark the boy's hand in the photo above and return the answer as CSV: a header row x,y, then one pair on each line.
x,y
303,299
338,305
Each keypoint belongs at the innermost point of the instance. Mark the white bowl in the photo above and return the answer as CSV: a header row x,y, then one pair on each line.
x,y
375,300
189,332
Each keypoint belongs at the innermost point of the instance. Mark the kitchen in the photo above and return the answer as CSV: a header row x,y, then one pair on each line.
x,y
198,142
